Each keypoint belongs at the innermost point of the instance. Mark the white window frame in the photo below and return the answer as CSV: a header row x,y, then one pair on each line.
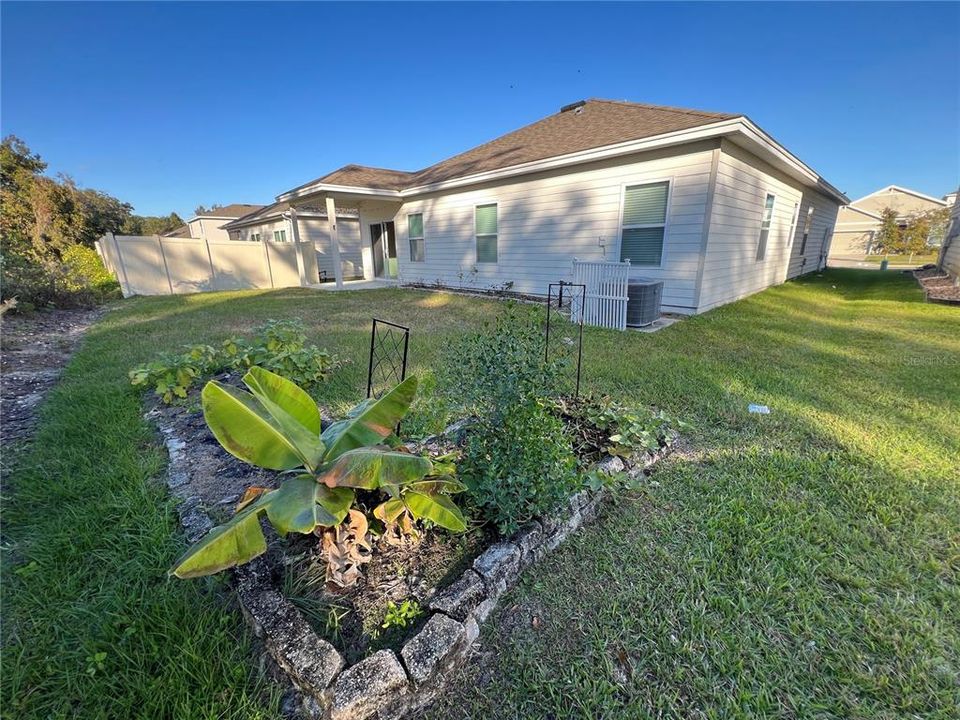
x,y
763,211
476,253
666,219
280,236
793,223
423,235
255,237
807,227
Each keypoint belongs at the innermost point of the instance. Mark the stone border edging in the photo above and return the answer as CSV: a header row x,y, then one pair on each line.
x,y
387,685
383,685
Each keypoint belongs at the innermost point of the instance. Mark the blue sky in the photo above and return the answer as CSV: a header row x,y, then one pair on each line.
x,y
171,105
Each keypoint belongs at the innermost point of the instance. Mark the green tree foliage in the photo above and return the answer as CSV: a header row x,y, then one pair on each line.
x,y
43,216
889,236
151,224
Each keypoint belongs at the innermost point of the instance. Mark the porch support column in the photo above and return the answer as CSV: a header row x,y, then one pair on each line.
x,y
297,247
334,241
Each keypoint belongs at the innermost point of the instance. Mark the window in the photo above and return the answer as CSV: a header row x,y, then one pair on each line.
x,y
793,223
644,223
765,225
415,235
279,235
485,219
806,230
255,237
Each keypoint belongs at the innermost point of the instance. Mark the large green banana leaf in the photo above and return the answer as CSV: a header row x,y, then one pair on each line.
x,y
372,468
370,422
236,542
438,508
301,503
268,438
286,395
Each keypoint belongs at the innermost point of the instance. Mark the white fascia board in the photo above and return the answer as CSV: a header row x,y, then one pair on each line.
x,y
629,147
906,191
338,189
738,125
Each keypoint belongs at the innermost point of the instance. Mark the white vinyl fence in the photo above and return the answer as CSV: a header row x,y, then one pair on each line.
x,y
154,265
606,296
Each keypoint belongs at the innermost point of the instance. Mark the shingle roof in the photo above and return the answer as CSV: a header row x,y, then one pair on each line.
x,y
181,232
233,211
278,208
580,126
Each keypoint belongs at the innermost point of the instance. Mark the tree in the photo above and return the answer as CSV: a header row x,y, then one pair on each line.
x,y
201,210
42,216
151,224
889,237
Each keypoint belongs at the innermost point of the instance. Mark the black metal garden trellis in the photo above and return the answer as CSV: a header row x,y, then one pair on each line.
x,y
388,356
566,299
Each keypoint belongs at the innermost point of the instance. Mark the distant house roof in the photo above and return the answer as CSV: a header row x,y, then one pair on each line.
x,y
905,191
229,211
182,232
581,126
267,213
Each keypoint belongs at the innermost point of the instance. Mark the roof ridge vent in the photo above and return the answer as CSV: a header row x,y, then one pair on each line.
x,y
573,106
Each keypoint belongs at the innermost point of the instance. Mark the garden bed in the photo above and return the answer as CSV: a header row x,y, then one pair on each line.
x,y
938,286
331,642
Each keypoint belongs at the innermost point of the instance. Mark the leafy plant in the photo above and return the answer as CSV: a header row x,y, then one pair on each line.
x,y
276,425
401,615
518,462
279,346
603,426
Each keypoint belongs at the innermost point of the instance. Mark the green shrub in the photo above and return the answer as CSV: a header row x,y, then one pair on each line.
x,y
84,270
518,462
518,465
279,346
77,279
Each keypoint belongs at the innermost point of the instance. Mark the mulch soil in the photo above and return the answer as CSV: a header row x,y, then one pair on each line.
x,y
938,285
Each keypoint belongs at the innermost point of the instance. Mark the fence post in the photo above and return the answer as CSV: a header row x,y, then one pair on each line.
x,y
213,272
124,280
266,259
166,268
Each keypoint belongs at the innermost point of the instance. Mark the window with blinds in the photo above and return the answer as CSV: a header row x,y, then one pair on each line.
x,y
485,219
765,225
415,236
644,223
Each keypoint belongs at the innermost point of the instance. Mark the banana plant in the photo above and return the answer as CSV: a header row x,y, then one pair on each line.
x,y
276,425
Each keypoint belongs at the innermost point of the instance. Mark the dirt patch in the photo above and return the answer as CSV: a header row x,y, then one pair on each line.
x,y
34,348
938,285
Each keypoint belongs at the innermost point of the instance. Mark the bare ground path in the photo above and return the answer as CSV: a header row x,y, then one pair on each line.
x,y
34,349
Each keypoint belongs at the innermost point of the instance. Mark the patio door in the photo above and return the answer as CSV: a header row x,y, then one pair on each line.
x,y
383,238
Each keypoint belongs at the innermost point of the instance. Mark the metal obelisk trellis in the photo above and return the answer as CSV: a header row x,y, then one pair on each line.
x,y
388,356
566,299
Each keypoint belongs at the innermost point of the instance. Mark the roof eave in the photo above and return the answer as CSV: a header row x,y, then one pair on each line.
x,y
326,188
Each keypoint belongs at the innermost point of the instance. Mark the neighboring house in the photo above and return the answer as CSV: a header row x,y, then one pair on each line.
x,y
859,222
707,202
949,258
209,224
274,223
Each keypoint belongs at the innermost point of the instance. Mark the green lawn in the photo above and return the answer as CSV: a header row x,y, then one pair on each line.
x,y
902,259
799,564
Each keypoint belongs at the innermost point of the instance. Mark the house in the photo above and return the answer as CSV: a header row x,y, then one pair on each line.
x,y
859,222
949,258
273,222
707,202
209,224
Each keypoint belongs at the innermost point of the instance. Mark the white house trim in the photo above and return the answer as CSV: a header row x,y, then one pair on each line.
x,y
742,126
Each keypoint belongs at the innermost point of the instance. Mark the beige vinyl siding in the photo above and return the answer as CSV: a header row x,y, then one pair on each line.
x,y
547,219
315,230
731,269
950,252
